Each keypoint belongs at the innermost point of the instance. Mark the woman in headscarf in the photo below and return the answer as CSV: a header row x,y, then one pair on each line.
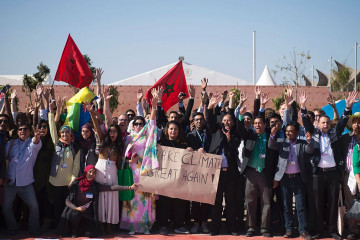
x,y
85,146
82,203
41,176
138,215
64,166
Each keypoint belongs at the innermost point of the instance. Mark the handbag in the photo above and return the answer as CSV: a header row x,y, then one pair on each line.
x,y
125,178
354,211
341,213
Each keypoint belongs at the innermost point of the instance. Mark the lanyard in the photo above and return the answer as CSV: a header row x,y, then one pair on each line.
x,y
69,149
21,152
261,143
325,143
292,152
110,152
201,139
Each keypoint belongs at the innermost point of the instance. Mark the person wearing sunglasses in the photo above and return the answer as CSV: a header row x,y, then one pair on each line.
x,y
131,114
22,154
141,218
42,174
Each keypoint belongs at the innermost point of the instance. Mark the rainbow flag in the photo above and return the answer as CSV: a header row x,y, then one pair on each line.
x,y
76,114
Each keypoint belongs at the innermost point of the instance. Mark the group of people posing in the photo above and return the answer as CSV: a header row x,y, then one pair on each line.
x,y
67,180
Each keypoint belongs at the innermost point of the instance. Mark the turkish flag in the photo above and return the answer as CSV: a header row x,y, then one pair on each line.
x,y
173,82
73,68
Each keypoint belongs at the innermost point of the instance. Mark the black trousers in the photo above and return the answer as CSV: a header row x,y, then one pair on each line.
x,y
60,195
88,222
326,196
45,207
169,207
240,202
200,211
257,186
226,186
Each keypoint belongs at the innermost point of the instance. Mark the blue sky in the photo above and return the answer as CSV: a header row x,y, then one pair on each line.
x,y
130,37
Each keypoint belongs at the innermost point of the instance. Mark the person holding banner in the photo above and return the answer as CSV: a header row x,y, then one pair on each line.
x,y
138,215
199,139
174,207
225,142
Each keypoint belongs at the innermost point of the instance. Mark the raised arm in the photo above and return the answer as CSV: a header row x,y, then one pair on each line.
x,y
350,100
272,143
107,113
331,101
139,107
190,105
210,117
97,128
98,75
52,125
154,100
309,127
288,102
257,101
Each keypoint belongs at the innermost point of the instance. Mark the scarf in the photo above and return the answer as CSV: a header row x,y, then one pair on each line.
x,y
87,143
84,183
71,140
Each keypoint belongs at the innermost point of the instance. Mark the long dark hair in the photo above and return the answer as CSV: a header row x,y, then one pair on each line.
x,y
118,144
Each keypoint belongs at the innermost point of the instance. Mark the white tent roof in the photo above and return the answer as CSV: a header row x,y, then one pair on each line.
x,y
193,74
266,79
18,80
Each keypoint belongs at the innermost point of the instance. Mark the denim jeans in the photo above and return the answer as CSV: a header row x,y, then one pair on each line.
x,y
296,186
27,194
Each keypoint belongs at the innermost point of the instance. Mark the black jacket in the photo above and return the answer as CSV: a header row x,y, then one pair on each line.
x,y
195,142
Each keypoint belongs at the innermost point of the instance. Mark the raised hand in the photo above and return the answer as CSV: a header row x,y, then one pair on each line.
x,y
39,89
214,100
160,93
181,96
52,106
98,74
204,83
275,129
257,92
224,95
107,95
192,90
89,107
243,110
264,99
37,134
302,99
351,99
288,99
243,98
47,93
155,98
139,94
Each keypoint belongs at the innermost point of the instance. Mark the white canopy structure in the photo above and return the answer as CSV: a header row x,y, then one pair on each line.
x,y
266,79
193,74
18,80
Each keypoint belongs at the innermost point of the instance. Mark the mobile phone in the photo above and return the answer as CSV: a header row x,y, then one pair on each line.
x,y
5,88
223,127
182,94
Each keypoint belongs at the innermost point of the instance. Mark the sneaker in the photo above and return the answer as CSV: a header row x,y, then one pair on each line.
x,y
204,228
131,233
195,228
288,234
163,231
250,232
146,232
181,230
335,236
265,233
352,236
306,236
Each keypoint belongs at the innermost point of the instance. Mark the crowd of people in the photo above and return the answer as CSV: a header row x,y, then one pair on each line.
x,y
276,176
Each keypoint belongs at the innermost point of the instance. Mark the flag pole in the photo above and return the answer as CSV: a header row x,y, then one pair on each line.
x,y
254,57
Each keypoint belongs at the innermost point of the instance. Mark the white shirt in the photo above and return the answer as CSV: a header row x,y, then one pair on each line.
x,y
327,155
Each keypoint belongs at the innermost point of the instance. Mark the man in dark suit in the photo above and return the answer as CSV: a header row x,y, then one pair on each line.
x,y
199,140
293,172
224,141
327,164
260,162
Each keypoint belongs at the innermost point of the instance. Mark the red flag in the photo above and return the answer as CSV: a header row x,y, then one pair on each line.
x,y
73,68
173,82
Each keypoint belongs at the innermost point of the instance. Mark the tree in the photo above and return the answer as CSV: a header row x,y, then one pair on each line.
x,y
114,99
341,78
92,68
293,67
30,82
